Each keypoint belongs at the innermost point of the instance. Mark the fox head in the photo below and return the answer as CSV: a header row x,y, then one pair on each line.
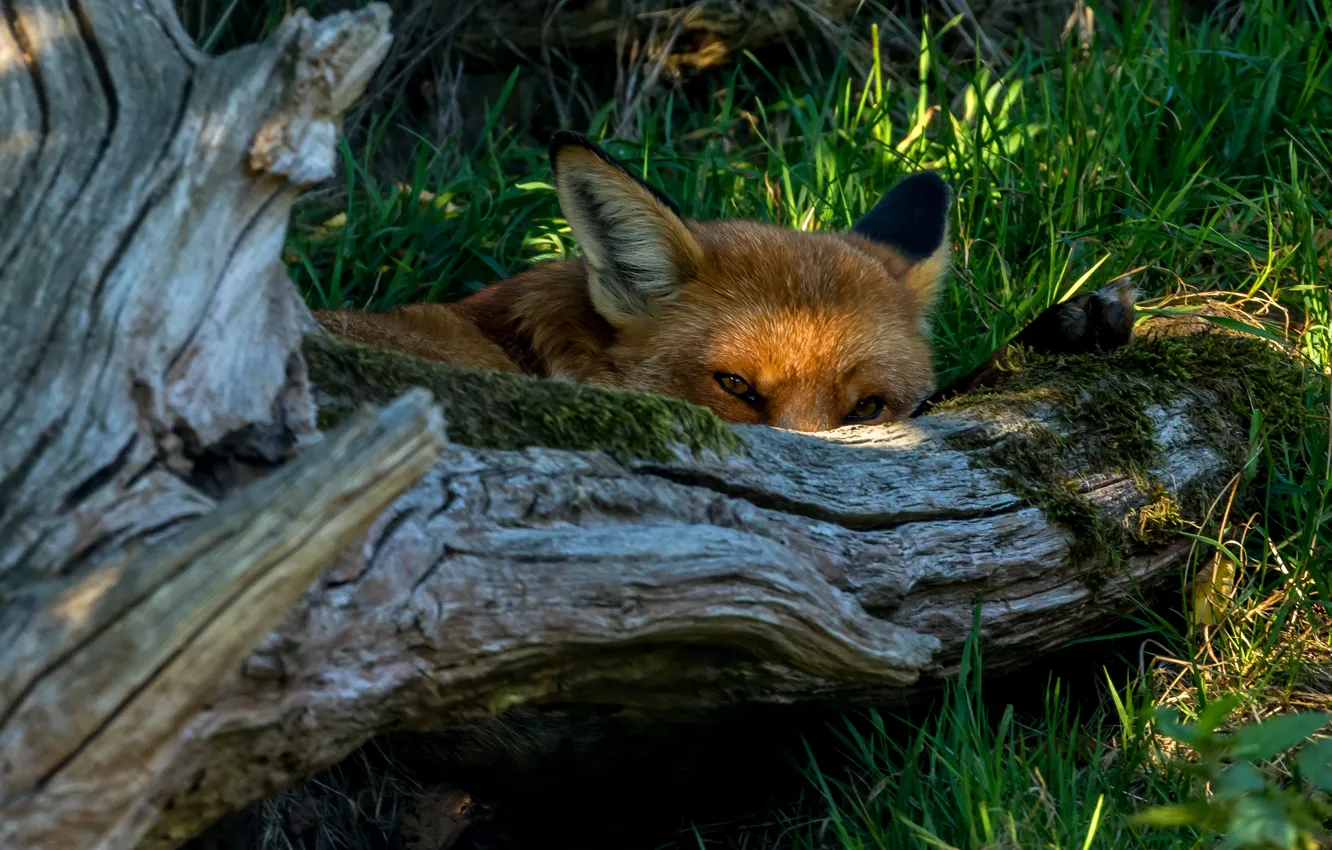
x,y
760,323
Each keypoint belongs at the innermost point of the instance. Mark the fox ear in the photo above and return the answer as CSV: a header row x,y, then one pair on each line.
x,y
912,220
637,248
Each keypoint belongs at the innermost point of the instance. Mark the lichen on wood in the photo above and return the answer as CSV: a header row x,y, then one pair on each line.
x,y
1066,420
496,410
1109,407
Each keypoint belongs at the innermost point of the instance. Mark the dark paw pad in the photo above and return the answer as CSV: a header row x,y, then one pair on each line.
x,y
1096,321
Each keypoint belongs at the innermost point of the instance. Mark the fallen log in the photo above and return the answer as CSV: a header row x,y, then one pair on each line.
x,y
454,62
150,366
692,567
570,545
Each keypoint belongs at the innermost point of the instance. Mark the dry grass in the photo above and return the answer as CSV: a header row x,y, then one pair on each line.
x,y
579,61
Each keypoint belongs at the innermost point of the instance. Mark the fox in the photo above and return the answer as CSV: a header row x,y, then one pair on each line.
x,y
762,324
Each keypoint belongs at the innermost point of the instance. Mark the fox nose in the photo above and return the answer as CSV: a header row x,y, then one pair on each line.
x,y
799,420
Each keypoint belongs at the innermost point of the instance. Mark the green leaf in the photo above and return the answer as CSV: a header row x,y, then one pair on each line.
x,y
1258,822
1276,734
1245,327
1217,711
1239,779
1179,814
1315,764
1172,727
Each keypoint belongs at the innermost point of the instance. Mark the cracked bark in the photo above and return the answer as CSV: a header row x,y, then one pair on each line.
x,y
166,499
150,364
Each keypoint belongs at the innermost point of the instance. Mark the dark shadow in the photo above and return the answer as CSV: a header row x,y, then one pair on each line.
x,y
583,778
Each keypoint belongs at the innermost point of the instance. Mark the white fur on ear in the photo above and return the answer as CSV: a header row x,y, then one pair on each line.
x,y
637,249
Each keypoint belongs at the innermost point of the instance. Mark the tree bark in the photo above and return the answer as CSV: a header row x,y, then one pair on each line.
x,y
86,736
569,545
149,364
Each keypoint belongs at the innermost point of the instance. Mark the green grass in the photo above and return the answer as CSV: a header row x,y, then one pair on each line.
x,y
1196,163
971,776
968,778
1190,151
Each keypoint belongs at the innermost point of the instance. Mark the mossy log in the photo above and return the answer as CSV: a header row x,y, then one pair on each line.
x,y
694,566
182,454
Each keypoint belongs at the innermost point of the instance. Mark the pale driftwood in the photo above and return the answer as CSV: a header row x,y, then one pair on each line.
x,y
160,629
151,364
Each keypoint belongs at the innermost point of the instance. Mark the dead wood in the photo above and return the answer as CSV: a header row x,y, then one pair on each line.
x,y
149,364
842,568
141,643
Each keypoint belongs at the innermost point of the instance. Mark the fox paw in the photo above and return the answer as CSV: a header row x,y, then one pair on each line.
x,y
1096,321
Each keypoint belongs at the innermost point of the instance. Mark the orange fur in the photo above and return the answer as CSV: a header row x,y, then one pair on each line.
x,y
814,324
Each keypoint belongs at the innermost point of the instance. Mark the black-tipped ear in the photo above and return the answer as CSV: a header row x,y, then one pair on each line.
x,y
912,218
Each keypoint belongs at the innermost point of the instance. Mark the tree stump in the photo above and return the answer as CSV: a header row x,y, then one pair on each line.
x,y
184,452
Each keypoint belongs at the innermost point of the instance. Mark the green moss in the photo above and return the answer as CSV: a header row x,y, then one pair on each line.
x,y
1161,512
1104,400
495,410
1027,469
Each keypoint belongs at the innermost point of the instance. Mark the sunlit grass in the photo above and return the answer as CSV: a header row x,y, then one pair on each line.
x,y
1193,159
972,777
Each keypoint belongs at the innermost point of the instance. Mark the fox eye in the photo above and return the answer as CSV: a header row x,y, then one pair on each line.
x,y
867,408
737,386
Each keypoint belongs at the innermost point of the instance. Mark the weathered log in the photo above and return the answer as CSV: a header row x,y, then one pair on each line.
x,y
157,631
685,572
572,545
736,25
697,35
454,61
149,363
